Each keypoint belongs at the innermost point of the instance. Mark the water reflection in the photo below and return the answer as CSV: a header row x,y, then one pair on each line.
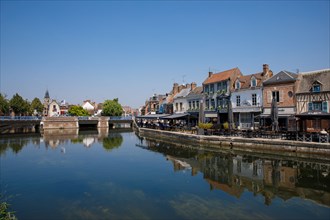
x,y
234,173
61,137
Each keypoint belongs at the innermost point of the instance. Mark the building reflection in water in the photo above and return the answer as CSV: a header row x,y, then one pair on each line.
x,y
53,138
236,173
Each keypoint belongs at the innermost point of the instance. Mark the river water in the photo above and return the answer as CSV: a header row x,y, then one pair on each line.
x,y
71,174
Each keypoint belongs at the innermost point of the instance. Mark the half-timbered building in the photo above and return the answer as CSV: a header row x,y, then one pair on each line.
x,y
313,99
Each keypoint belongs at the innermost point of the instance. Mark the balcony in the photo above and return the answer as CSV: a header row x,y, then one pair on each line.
x,y
222,109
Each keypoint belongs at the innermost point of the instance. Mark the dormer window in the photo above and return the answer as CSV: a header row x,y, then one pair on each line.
x,y
237,84
253,82
316,86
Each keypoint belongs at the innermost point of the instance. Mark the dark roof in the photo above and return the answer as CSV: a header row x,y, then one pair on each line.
x,y
152,116
313,114
195,93
306,80
47,94
175,116
281,77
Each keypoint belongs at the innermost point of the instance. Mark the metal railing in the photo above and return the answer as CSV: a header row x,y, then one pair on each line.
x,y
19,118
119,118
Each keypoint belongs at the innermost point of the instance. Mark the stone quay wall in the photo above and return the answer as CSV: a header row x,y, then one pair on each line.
x,y
260,145
59,122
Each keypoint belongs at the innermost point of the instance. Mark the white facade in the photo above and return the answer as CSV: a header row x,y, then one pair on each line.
x,y
180,102
88,106
246,104
180,105
54,109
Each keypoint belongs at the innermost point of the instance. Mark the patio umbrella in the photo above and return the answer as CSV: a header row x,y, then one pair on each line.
x,y
201,112
230,115
274,115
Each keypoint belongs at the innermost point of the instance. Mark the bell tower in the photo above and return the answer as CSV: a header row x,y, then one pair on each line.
x,y
46,103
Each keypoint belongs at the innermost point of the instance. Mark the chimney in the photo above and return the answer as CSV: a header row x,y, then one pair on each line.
x,y
181,87
210,74
265,69
175,88
192,86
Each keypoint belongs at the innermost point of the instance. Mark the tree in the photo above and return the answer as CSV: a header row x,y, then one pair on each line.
x,y
36,105
112,108
112,141
4,105
76,110
19,105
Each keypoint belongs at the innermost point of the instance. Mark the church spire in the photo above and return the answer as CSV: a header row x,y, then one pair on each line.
x,y
47,94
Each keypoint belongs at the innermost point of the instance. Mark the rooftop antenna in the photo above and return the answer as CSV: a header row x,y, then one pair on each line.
x,y
183,76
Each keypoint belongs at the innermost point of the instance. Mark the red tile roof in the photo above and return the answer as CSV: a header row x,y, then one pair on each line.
x,y
217,77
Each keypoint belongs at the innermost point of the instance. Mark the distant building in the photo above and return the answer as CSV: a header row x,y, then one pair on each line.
x,y
217,88
246,99
89,106
312,101
51,107
194,99
282,87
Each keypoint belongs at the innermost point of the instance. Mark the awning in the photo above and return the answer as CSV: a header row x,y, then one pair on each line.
x,y
175,116
313,114
211,115
280,116
152,116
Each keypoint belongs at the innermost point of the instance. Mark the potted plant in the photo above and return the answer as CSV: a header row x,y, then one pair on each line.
x,y
202,127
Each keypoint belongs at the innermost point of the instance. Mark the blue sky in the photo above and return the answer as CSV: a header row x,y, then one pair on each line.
x,y
129,50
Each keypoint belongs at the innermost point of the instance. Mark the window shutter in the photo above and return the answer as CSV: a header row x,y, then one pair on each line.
x,y
310,106
269,96
281,96
325,106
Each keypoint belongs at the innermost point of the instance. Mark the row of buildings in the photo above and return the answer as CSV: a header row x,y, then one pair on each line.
x,y
302,99
53,108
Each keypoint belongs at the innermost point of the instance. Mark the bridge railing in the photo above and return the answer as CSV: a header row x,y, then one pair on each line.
x,y
119,118
20,118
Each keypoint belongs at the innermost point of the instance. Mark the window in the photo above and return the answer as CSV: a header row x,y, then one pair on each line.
x,y
207,104
212,104
219,87
238,100
276,95
317,106
189,104
254,99
253,82
238,84
310,106
206,89
325,106
193,105
180,106
176,106
211,88
197,104
317,88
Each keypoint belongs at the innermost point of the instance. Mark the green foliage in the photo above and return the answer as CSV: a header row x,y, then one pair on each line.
x,y
19,105
112,142
205,125
77,111
225,125
112,108
4,105
36,105
5,214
